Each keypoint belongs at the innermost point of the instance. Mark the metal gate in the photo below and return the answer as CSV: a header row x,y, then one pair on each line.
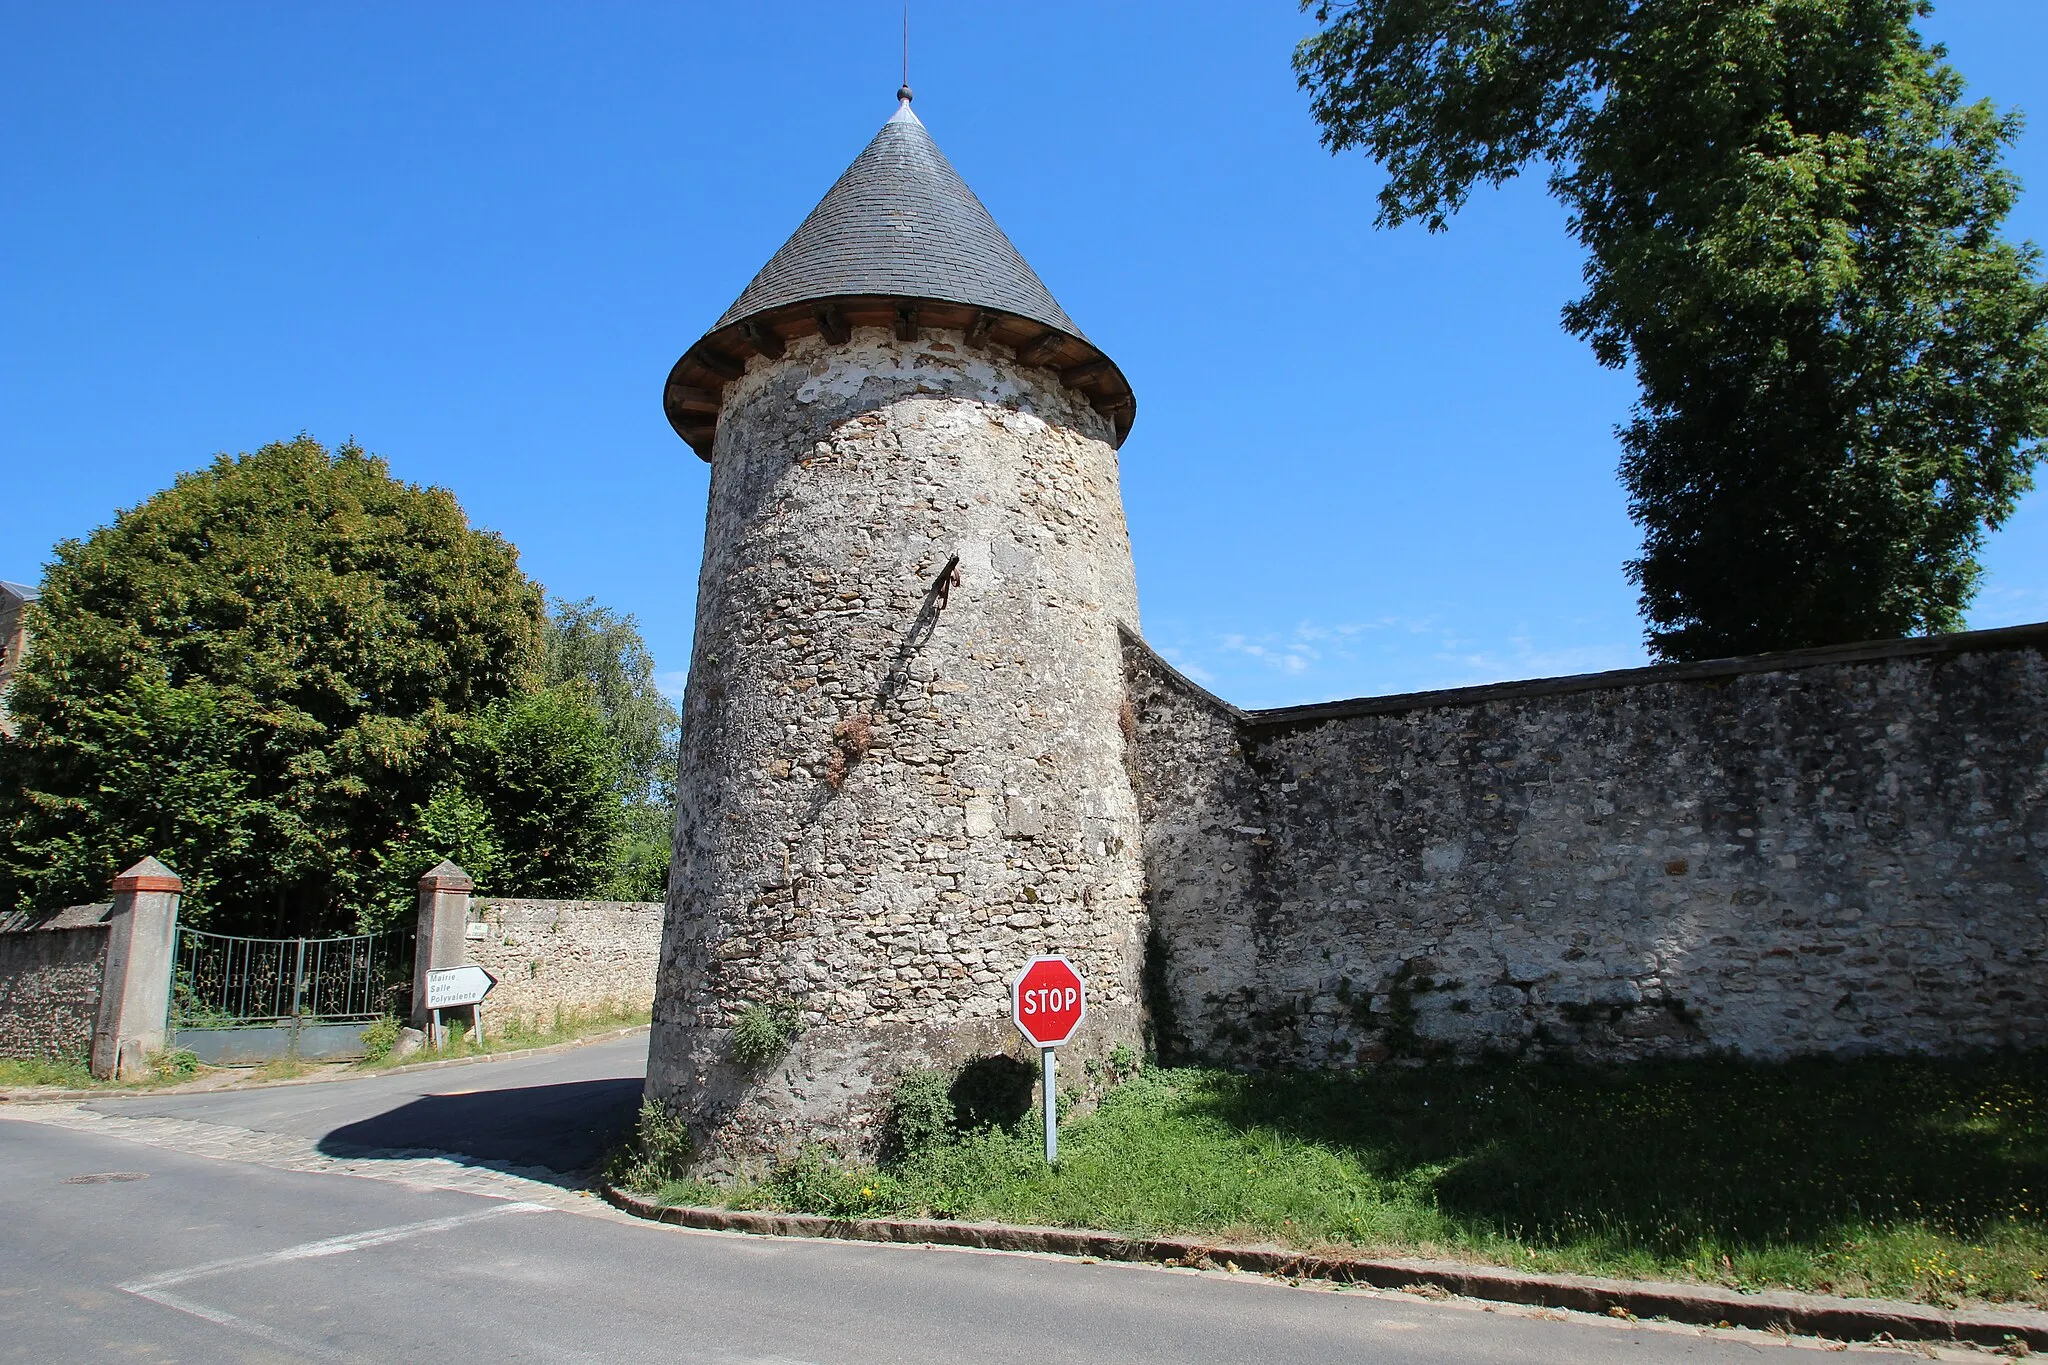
x,y
237,1000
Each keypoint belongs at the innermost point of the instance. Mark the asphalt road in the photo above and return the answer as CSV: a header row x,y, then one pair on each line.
x,y
162,1253
559,1110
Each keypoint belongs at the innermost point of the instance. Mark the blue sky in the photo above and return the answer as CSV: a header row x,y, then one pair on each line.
x,y
475,238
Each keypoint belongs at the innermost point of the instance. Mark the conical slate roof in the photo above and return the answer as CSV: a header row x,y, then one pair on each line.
x,y
901,222
899,241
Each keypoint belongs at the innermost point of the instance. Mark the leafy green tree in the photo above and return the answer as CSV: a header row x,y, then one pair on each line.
x,y
640,858
601,651
453,826
257,674
543,765
1791,221
533,809
152,768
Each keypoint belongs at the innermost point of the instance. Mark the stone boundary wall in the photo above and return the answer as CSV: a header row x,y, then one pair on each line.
x,y
1828,851
50,979
571,956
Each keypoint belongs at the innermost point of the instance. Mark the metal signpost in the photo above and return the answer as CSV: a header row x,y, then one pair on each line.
x,y
1048,1003
449,987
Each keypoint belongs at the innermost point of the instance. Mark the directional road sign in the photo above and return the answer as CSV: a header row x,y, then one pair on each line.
x,y
448,987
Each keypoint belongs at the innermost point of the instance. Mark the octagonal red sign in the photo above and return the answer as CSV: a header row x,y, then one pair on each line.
x,y
1049,1001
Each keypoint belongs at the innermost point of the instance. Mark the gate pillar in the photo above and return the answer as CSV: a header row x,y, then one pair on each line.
x,y
135,988
444,912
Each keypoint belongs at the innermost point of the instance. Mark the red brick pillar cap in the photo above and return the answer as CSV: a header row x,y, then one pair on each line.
x,y
148,875
446,876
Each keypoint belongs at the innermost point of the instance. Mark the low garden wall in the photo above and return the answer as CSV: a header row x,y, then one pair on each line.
x,y
50,978
566,957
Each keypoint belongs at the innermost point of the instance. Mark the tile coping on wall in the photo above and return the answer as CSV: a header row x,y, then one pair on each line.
x,y
1707,1305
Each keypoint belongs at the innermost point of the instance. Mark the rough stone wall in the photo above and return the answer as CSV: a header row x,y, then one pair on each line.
x,y
50,991
1834,851
890,801
566,956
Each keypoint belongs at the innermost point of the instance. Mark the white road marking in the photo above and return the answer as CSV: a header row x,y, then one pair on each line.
x,y
283,1341
153,1289
330,1246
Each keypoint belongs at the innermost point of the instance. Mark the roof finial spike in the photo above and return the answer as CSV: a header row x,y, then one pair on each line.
x,y
903,93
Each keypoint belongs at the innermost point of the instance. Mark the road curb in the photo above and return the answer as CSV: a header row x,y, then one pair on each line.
x,y
1706,1305
157,1092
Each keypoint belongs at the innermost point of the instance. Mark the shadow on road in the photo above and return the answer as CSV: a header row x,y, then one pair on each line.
x,y
565,1128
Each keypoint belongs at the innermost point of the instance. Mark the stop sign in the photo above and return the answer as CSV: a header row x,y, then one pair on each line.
x,y
1049,1001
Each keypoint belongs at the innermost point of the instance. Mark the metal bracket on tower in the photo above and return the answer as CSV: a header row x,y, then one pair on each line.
x,y
948,579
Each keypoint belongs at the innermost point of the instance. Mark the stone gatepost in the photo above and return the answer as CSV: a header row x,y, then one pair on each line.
x,y
444,913
135,988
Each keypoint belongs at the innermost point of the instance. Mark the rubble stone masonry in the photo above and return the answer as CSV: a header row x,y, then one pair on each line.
x,y
895,791
897,784
50,980
1832,851
566,957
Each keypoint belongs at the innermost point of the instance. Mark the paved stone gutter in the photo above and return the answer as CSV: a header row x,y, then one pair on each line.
x,y
1707,1305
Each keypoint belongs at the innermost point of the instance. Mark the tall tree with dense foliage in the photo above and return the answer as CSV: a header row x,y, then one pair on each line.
x,y
543,765
1792,230
530,806
600,652
258,675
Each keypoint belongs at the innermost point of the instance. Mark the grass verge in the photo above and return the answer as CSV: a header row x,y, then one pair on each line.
x,y
167,1067
511,1035
1897,1177
67,1075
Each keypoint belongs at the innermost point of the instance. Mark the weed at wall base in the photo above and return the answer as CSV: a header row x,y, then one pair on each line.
x,y
379,1038
656,1153
71,1074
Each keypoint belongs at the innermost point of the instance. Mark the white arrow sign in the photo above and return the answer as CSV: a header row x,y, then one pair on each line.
x,y
452,986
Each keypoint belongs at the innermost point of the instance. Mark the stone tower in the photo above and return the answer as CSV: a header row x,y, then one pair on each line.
x,y
904,740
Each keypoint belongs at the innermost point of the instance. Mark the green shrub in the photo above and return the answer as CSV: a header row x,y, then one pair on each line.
x,y
816,1183
379,1038
174,1063
763,1031
656,1152
920,1115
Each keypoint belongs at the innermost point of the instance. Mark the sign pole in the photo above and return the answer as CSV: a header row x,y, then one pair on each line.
x,y
1052,1108
1048,1001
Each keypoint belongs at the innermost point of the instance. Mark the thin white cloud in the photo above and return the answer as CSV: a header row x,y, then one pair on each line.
x,y
2008,605
1180,660
1320,661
